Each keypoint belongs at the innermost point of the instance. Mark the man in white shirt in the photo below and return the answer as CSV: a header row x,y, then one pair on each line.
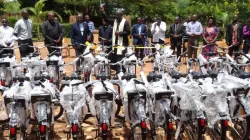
x,y
158,30
23,31
7,39
185,36
194,31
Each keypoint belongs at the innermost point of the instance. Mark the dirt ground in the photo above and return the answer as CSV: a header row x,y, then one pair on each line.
x,y
90,124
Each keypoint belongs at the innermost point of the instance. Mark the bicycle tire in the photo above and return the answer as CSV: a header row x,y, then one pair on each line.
x,y
223,132
166,127
247,132
60,113
118,109
200,131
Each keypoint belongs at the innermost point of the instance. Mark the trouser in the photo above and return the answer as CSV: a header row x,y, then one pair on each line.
x,y
118,67
246,47
141,50
176,44
25,50
234,48
160,42
78,53
115,58
183,45
192,52
50,50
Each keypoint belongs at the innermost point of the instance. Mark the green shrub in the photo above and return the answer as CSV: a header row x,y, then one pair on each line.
x,y
66,27
12,21
35,30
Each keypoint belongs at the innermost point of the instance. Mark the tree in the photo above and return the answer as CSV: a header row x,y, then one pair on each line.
x,y
12,7
38,15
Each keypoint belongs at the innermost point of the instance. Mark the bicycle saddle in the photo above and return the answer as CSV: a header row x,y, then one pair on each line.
x,y
212,74
72,78
243,74
128,76
196,75
176,75
153,76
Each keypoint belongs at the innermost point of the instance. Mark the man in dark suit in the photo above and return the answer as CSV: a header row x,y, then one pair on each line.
x,y
105,34
52,32
79,34
176,31
139,32
234,36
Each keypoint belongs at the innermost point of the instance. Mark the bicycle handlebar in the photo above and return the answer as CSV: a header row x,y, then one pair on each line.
x,y
77,44
138,82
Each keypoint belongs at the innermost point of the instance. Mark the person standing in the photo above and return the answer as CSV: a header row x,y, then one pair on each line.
x,y
185,36
79,34
210,34
234,35
91,26
52,32
105,34
7,38
23,31
121,31
158,30
139,32
194,31
246,35
176,31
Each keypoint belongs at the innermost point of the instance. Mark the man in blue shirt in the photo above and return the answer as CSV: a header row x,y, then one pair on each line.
x,y
139,32
91,26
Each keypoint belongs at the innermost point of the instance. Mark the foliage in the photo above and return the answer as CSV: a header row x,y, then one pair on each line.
x,y
66,27
39,15
27,3
12,7
12,21
2,7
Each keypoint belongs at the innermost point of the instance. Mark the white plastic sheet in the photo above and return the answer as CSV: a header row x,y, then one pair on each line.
x,y
103,109
139,109
73,99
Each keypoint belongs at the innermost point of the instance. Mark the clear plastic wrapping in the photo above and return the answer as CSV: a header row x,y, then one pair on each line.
x,y
158,107
137,110
190,94
73,100
103,109
216,103
15,111
3,114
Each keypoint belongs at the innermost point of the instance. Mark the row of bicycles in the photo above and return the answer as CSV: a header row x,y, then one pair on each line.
x,y
211,99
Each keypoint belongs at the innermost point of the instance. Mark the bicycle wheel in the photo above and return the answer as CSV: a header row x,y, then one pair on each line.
x,y
58,109
247,130
168,126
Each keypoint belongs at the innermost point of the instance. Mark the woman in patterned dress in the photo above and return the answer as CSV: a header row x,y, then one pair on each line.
x,y
210,34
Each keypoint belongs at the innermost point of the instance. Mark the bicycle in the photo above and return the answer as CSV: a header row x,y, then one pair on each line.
x,y
72,98
43,97
16,100
6,61
52,61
